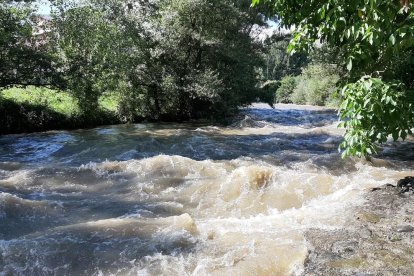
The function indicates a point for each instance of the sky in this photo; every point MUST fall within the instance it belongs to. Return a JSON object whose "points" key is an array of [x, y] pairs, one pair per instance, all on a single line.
{"points": [[43, 7]]}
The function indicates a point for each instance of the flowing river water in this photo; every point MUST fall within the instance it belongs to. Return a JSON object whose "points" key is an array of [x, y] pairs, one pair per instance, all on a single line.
{"points": [[181, 199]]}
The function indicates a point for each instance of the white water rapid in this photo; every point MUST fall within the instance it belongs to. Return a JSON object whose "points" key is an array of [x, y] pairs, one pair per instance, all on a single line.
{"points": [[181, 199]]}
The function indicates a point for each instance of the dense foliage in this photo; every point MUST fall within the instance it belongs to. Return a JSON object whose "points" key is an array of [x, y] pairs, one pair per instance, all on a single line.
{"points": [[285, 90], [372, 109], [165, 60], [277, 61], [300, 78], [86, 41], [375, 39], [24, 57], [316, 85]]}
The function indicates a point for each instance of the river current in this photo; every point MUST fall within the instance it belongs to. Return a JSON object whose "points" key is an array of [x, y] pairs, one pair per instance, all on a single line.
{"points": [[182, 199]]}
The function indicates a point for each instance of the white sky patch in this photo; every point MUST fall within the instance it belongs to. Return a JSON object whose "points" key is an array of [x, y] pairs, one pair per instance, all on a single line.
{"points": [[261, 33], [42, 7]]}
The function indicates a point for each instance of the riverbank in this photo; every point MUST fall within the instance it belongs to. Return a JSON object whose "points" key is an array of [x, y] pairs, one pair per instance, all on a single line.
{"points": [[37, 109], [378, 239], [40, 109]]}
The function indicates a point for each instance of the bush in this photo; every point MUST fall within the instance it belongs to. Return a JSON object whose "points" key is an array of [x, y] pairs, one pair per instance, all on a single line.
{"points": [[285, 90], [267, 90], [299, 93], [316, 85]]}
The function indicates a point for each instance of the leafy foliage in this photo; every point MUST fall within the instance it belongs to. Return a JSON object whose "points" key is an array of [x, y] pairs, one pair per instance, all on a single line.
{"points": [[285, 90], [375, 38], [316, 85], [88, 44], [208, 55], [168, 60], [372, 110], [163, 60], [277, 61], [25, 58]]}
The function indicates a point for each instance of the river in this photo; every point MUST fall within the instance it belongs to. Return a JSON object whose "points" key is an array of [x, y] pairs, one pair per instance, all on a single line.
{"points": [[182, 199]]}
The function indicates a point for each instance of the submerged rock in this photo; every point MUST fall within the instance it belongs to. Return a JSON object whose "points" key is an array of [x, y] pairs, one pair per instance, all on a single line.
{"points": [[378, 240], [248, 122], [345, 247], [405, 229], [406, 184]]}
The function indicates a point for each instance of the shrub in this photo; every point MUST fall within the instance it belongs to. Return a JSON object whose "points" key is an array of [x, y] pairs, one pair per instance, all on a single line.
{"points": [[316, 85], [267, 92], [299, 93], [285, 90]]}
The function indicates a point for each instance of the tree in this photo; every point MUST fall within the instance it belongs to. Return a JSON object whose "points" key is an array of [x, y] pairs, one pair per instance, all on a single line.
{"points": [[25, 57], [88, 42], [167, 60], [316, 85], [278, 63], [209, 54], [285, 90], [375, 39]]}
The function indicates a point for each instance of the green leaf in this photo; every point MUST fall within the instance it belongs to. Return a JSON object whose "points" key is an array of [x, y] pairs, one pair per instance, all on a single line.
{"points": [[255, 2], [349, 65], [395, 136], [392, 39], [348, 33]]}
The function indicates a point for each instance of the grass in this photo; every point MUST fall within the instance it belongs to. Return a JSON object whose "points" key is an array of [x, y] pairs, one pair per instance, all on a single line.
{"points": [[61, 102], [38, 109], [109, 102]]}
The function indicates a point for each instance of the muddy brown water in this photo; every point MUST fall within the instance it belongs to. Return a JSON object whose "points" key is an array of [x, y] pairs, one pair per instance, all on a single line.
{"points": [[181, 199]]}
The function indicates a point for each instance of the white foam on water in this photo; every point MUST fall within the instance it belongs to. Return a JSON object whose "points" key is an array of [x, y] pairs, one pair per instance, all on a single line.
{"points": [[246, 210], [242, 214]]}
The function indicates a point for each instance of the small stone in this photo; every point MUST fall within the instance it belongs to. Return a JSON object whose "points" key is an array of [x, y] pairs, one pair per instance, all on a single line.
{"points": [[210, 235], [394, 238], [365, 233], [369, 217], [383, 187], [406, 184], [405, 229], [345, 247]]}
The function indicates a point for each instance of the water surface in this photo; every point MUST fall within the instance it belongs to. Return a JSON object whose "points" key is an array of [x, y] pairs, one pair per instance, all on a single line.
{"points": [[181, 199]]}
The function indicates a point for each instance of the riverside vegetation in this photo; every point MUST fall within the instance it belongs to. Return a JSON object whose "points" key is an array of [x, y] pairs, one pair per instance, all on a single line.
{"points": [[374, 41], [187, 59], [160, 60], [172, 193]]}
